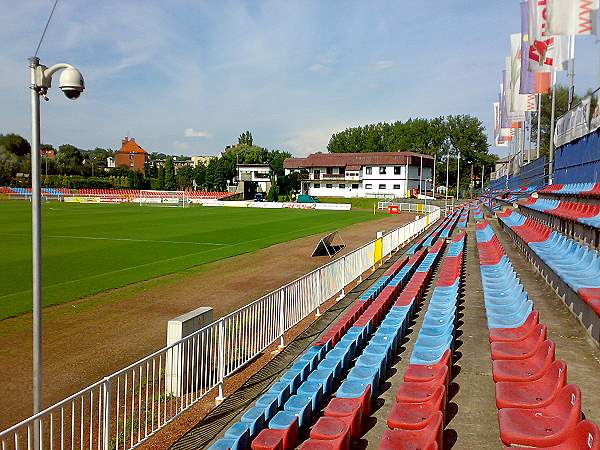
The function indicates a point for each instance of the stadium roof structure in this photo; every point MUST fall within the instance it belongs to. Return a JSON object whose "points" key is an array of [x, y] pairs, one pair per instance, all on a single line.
{"points": [[353, 160]]}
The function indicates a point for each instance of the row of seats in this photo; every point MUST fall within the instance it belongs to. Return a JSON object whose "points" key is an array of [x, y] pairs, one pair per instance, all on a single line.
{"points": [[536, 406], [584, 213], [578, 189], [464, 218], [417, 415], [576, 264], [477, 211], [446, 226], [121, 193], [287, 407]]}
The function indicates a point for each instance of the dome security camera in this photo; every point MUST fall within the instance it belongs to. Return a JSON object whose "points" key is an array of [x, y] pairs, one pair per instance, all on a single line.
{"points": [[71, 83]]}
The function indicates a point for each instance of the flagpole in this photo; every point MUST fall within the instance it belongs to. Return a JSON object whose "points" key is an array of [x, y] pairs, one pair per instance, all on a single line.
{"points": [[458, 176], [447, 174], [529, 137], [551, 145], [571, 73], [539, 126]]}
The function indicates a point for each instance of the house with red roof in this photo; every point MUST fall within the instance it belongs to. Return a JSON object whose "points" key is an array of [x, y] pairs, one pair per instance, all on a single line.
{"points": [[131, 155]]}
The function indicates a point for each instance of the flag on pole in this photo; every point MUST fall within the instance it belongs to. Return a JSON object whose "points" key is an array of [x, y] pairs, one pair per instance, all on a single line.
{"points": [[531, 82], [520, 102], [569, 17], [546, 52], [501, 135]]}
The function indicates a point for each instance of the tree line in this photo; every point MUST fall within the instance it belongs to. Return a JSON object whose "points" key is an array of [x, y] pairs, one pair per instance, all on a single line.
{"points": [[441, 137], [77, 168]]}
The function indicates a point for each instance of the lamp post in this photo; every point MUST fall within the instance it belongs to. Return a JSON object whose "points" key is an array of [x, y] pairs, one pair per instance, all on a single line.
{"points": [[72, 85]]}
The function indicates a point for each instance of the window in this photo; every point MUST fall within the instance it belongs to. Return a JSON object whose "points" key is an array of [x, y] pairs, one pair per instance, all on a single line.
{"points": [[336, 170], [355, 186], [368, 186], [329, 186], [382, 170], [368, 170], [396, 186], [342, 186], [317, 185], [382, 186], [329, 170], [396, 170]]}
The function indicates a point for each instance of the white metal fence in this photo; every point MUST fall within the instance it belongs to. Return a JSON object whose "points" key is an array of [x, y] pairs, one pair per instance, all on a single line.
{"points": [[127, 407]]}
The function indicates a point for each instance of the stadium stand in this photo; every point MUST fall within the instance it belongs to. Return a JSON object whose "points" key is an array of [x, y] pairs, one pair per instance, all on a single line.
{"points": [[128, 194], [350, 360], [572, 267], [417, 416], [536, 406]]}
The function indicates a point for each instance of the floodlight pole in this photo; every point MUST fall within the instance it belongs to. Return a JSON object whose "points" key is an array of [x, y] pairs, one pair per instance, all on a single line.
{"points": [[36, 239]]}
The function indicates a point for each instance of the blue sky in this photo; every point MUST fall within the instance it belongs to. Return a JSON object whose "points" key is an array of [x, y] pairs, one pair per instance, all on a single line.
{"points": [[188, 76]]}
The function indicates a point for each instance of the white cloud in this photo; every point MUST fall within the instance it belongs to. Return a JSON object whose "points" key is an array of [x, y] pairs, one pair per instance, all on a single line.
{"points": [[319, 68], [310, 141], [190, 132], [384, 64]]}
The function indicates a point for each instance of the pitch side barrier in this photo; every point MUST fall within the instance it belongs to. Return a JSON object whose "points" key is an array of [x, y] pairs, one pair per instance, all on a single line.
{"points": [[124, 409]]}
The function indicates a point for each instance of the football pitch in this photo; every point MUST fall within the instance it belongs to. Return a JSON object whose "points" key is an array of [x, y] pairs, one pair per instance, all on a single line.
{"points": [[91, 248]]}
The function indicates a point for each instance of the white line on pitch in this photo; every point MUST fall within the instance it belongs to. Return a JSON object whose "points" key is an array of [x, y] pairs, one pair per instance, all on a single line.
{"points": [[98, 238]]}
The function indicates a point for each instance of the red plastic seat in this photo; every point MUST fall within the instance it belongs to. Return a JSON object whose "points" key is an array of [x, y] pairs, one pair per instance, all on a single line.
{"points": [[532, 394], [268, 439], [426, 438], [331, 428], [527, 369], [319, 444], [348, 409], [409, 392], [421, 372], [414, 416], [522, 349], [542, 427], [585, 436], [515, 334]]}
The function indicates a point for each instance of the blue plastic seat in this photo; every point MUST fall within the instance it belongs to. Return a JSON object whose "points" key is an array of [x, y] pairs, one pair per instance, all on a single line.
{"points": [[301, 406], [325, 377], [282, 389], [312, 390], [370, 375], [255, 418], [239, 433], [270, 404]]}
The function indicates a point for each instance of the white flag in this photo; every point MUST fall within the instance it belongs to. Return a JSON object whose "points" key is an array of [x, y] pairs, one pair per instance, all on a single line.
{"points": [[566, 17], [520, 102], [546, 52]]}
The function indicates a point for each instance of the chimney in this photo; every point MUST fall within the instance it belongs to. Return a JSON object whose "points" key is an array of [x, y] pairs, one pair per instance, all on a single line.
{"points": [[132, 139], [125, 140]]}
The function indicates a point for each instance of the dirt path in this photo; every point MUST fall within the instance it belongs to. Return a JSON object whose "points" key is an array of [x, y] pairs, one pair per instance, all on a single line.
{"points": [[90, 338]]}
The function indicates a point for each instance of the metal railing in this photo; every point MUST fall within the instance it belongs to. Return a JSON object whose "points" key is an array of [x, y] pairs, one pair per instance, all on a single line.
{"points": [[126, 408]]}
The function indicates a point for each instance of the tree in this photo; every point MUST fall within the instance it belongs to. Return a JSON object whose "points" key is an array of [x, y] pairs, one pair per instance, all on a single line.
{"points": [[170, 182], [9, 166], [245, 138], [273, 194], [562, 103], [184, 177], [136, 179], [69, 159], [15, 144], [275, 159], [161, 178], [200, 175], [215, 175]]}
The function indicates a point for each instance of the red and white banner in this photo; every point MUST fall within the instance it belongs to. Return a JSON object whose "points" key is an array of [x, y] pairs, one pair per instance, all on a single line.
{"points": [[546, 52], [567, 17]]}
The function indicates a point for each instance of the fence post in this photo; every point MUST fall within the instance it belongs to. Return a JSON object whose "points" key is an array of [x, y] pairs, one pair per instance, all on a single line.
{"points": [[107, 413], [342, 293], [281, 318], [320, 296], [221, 369]]}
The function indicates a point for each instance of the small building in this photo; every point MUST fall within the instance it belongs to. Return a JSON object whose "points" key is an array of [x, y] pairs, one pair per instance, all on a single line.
{"points": [[502, 168], [201, 160], [260, 173], [110, 162], [131, 155], [381, 174]]}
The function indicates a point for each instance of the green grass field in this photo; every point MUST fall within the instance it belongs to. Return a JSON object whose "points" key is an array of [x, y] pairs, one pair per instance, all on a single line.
{"points": [[91, 248]]}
